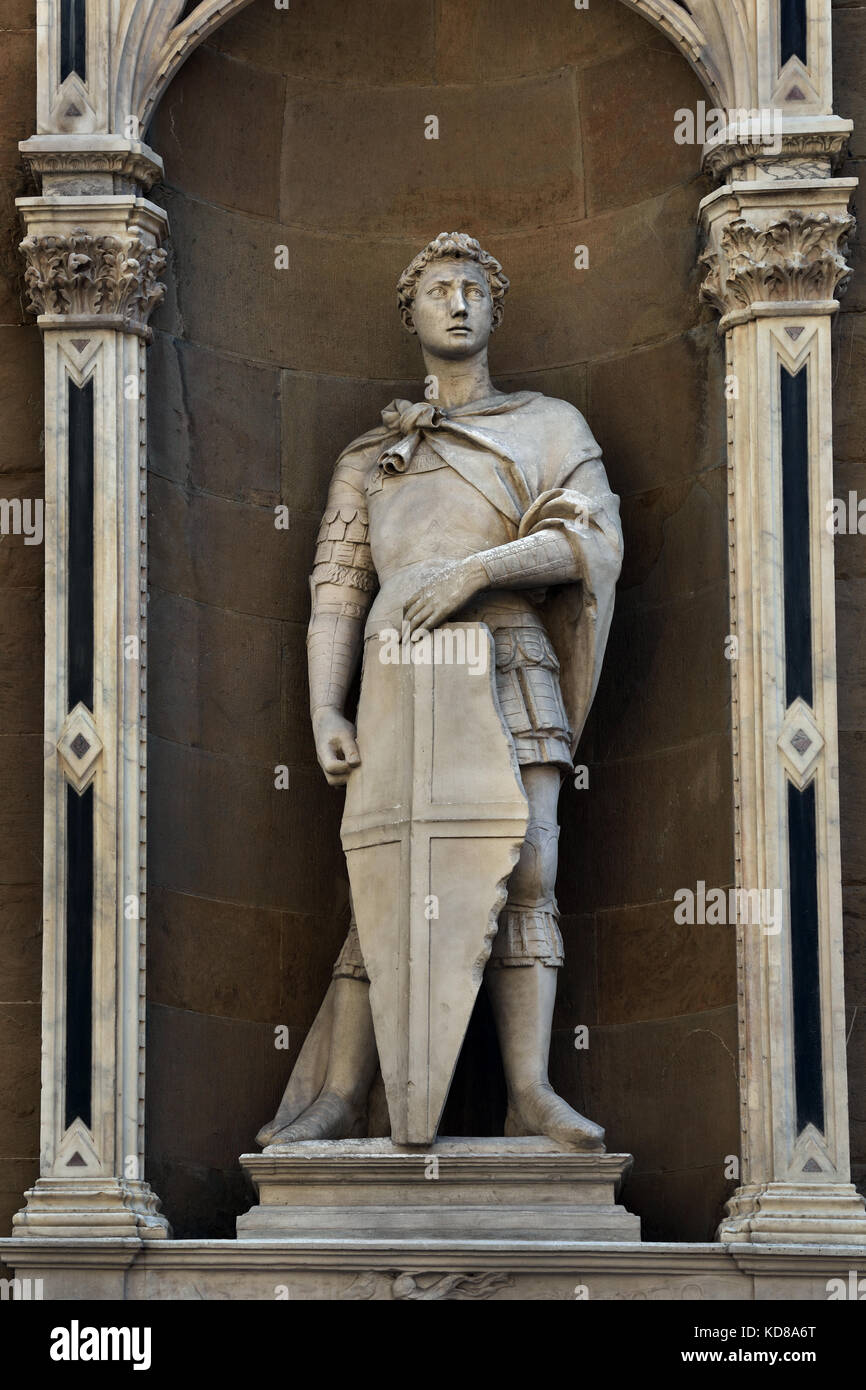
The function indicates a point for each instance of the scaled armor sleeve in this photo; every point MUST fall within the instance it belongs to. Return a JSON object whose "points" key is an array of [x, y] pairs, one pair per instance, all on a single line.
{"points": [[342, 586]]}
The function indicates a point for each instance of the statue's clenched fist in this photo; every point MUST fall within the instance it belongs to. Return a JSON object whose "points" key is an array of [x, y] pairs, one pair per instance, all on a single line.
{"points": [[336, 747]]}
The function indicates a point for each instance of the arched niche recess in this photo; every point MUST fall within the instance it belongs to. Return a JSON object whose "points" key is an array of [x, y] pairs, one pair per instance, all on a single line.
{"points": [[773, 245], [549, 139]]}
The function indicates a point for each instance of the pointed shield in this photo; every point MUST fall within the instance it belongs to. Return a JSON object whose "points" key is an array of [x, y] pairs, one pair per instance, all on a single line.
{"points": [[434, 820]]}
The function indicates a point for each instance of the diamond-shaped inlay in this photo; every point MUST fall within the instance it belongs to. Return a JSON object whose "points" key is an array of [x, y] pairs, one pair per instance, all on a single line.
{"points": [[800, 742], [79, 747]]}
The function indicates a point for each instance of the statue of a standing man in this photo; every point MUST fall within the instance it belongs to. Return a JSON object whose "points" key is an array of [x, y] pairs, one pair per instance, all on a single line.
{"points": [[480, 506]]}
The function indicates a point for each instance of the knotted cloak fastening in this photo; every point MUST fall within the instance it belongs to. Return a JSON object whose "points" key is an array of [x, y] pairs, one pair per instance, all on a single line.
{"points": [[467, 447]]}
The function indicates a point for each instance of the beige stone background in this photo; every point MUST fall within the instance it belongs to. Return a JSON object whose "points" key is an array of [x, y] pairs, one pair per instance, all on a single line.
{"points": [[306, 129]]}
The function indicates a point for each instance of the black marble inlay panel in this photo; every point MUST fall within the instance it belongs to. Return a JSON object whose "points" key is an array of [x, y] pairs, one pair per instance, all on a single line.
{"points": [[79, 953], [803, 868], [80, 545], [73, 38], [793, 21], [795, 521]]}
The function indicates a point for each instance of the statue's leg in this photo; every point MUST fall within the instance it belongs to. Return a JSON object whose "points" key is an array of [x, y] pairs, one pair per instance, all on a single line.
{"points": [[352, 1058], [522, 974]]}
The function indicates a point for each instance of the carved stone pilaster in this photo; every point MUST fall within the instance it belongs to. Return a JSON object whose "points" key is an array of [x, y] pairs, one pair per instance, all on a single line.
{"points": [[776, 264], [93, 260], [89, 275]]}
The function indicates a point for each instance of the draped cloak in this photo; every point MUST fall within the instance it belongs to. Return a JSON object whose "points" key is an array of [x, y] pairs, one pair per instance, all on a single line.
{"points": [[536, 462]]}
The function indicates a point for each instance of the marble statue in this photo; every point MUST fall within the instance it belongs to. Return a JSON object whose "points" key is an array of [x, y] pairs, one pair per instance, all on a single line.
{"points": [[487, 516]]}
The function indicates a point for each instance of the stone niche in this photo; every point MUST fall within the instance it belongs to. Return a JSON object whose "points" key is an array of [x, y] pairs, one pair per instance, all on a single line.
{"points": [[306, 129]]}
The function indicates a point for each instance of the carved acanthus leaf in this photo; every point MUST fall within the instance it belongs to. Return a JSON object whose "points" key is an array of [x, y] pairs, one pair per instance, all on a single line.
{"points": [[794, 259], [85, 275]]}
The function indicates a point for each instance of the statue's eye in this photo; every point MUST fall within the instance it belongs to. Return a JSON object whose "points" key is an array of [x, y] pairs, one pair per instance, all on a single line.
{"points": [[475, 291]]}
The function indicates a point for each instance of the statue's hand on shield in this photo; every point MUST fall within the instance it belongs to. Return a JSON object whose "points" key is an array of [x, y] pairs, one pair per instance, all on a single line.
{"points": [[336, 747]]}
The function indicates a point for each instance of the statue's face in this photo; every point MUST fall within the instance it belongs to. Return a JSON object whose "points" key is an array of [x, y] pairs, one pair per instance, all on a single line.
{"points": [[453, 310]]}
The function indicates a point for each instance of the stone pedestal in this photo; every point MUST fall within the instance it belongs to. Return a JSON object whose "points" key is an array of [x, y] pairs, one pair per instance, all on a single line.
{"points": [[454, 1191]]}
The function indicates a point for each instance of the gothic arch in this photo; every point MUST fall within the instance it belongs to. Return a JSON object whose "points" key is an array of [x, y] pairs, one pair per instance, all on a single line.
{"points": [[155, 40], [715, 37]]}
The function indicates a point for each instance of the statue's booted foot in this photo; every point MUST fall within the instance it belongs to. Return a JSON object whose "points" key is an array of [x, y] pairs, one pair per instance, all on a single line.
{"points": [[539, 1110], [329, 1117]]}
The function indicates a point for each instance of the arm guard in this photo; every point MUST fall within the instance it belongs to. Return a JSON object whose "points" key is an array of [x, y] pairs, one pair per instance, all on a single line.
{"points": [[342, 585], [545, 557]]}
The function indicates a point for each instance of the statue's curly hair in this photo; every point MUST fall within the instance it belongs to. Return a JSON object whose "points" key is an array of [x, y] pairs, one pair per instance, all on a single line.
{"points": [[452, 246]]}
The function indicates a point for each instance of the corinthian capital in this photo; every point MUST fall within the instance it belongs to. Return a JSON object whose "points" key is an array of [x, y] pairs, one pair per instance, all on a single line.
{"points": [[797, 258], [80, 275]]}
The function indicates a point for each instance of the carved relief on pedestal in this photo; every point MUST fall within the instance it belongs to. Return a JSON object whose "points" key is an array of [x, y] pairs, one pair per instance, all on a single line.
{"points": [[83, 275], [797, 258], [426, 1288]]}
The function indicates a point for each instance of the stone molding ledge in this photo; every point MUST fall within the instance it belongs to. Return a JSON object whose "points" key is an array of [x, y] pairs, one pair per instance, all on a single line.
{"points": [[70, 165], [810, 147], [352, 1269]]}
